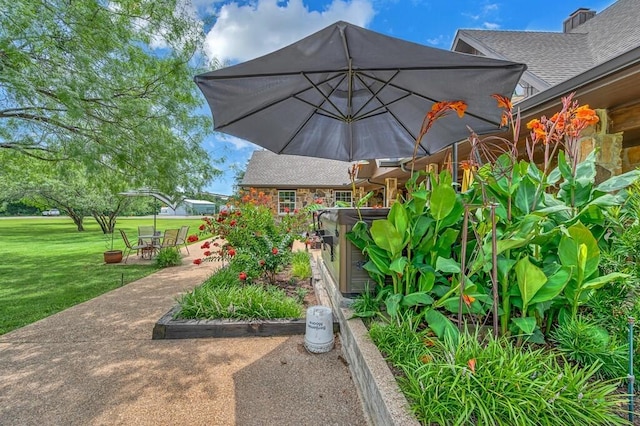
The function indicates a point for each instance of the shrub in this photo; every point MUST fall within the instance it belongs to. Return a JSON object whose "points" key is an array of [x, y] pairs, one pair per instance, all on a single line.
{"points": [[493, 382], [168, 256], [583, 341]]}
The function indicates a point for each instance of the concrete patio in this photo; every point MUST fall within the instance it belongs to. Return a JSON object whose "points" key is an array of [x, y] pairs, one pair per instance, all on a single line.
{"points": [[95, 364]]}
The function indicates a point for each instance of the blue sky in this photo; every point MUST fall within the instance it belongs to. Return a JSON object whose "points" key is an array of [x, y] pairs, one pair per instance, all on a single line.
{"points": [[243, 30]]}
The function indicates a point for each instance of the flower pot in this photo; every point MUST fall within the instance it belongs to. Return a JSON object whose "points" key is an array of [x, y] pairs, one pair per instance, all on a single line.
{"points": [[113, 256]]}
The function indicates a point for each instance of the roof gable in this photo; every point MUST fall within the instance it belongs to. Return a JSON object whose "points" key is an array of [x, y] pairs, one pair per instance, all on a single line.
{"points": [[266, 169], [554, 57]]}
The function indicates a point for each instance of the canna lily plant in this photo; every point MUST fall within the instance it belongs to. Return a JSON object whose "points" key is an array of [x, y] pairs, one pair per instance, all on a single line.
{"points": [[520, 245]]}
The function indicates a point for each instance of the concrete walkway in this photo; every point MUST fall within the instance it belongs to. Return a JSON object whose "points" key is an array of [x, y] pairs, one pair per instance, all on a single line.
{"points": [[95, 364]]}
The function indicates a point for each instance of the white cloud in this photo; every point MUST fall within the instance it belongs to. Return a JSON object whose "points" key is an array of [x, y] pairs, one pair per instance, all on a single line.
{"points": [[438, 41], [244, 32], [490, 25], [490, 8]]}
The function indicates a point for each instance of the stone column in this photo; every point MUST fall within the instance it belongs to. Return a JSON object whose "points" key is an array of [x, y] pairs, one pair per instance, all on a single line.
{"points": [[608, 147]]}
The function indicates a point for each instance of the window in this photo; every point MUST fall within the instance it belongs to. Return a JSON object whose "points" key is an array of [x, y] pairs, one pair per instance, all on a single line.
{"points": [[286, 201], [343, 197]]}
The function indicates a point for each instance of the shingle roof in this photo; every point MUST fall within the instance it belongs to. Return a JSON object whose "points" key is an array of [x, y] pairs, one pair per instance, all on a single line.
{"points": [[613, 31], [555, 56], [266, 169]]}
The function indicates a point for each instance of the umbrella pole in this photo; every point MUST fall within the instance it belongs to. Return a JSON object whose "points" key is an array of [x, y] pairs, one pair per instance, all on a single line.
{"points": [[155, 206], [454, 164]]}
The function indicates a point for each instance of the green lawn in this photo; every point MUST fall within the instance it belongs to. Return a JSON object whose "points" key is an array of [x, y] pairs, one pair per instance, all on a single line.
{"points": [[47, 265]]}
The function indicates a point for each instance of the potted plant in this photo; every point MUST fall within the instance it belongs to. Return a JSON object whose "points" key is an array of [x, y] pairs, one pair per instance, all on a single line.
{"points": [[111, 255]]}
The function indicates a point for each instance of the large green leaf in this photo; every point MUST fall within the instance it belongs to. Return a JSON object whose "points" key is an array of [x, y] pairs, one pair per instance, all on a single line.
{"points": [[419, 201], [582, 192], [443, 199], [398, 265], [586, 169], [417, 299], [380, 258], [553, 287], [619, 182], [420, 229], [455, 215], [359, 235], [446, 240], [374, 272], [569, 250], [527, 324], [399, 219], [598, 282], [392, 304], [440, 324], [426, 281], [447, 265], [525, 196], [504, 267], [530, 279], [565, 168], [386, 236]]}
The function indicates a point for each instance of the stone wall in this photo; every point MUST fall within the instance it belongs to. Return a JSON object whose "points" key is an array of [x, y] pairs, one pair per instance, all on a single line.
{"points": [[608, 145]]}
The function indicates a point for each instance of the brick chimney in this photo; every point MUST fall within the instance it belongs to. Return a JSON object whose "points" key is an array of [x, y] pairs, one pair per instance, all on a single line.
{"points": [[577, 18]]}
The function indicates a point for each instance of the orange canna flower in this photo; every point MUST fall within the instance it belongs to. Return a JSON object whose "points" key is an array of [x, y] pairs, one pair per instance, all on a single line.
{"points": [[559, 121], [504, 120], [503, 101], [537, 129], [587, 115], [459, 107], [426, 359], [472, 365], [468, 300], [533, 124], [429, 342], [467, 165]]}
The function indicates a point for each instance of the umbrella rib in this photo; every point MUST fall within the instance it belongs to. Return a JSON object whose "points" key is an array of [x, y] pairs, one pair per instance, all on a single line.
{"points": [[294, 95], [374, 95], [326, 98], [296, 133], [409, 92], [376, 111]]}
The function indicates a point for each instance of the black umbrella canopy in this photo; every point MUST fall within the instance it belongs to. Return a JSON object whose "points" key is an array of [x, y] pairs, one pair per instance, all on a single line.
{"points": [[348, 93]]}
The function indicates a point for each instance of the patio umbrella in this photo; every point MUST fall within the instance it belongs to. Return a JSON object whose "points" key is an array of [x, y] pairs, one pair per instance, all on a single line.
{"points": [[348, 93], [145, 192]]}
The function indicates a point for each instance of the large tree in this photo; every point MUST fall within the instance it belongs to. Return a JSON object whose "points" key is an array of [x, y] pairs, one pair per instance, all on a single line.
{"points": [[105, 83]]}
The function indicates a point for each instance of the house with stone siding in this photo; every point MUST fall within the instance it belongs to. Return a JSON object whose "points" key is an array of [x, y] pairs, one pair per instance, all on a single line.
{"points": [[293, 182], [594, 55]]}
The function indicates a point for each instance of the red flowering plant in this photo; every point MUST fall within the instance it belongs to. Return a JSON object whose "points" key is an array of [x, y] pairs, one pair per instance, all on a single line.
{"points": [[251, 232]]}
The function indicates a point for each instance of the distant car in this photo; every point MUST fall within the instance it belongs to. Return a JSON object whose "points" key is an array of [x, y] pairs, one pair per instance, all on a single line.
{"points": [[52, 212]]}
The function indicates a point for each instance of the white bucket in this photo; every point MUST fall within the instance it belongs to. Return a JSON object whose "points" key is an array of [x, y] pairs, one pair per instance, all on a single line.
{"points": [[319, 332]]}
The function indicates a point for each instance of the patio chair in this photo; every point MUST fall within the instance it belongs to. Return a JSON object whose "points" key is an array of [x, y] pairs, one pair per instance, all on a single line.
{"points": [[129, 248], [145, 234], [170, 239], [182, 238]]}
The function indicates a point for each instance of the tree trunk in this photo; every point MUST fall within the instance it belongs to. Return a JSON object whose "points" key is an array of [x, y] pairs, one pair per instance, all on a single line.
{"points": [[77, 218], [107, 221]]}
